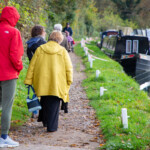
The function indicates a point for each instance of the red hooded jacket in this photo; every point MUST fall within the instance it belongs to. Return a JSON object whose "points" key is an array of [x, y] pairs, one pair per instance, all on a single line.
{"points": [[11, 47]]}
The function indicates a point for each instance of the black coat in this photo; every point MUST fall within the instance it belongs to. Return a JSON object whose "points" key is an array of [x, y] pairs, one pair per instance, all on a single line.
{"points": [[33, 44], [69, 30]]}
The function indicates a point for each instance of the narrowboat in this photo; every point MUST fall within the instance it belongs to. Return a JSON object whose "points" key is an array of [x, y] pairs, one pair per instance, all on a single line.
{"points": [[132, 52], [107, 34]]}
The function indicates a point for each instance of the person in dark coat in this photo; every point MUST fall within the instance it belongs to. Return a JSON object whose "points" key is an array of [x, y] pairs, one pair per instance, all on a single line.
{"points": [[38, 38], [69, 29]]}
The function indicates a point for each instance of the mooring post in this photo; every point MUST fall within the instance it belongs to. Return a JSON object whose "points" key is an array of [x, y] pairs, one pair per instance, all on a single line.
{"points": [[91, 62], [86, 52], [102, 89], [89, 58], [97, 73], [124, 118]]}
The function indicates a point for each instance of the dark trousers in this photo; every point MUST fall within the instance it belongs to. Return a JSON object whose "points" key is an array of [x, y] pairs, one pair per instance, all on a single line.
{"points": [[49, 114]]}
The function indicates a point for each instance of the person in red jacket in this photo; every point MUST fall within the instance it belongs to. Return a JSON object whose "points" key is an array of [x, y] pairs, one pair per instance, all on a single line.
{"points": [[11, 52]]}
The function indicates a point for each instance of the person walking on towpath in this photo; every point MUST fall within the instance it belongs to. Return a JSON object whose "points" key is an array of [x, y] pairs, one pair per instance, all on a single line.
{"points": [[11, 52], [68, 28], [38, 38], [64, 43], [69, 33], [50, 71]]}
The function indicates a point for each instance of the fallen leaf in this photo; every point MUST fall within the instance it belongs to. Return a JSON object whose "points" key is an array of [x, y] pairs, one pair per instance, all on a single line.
{"points": [[93, 140], [123, 141], [85, 143], [73, 145], [101, 145]]}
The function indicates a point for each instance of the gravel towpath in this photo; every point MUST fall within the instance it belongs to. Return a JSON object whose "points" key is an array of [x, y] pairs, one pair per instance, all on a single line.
{"points": [[78, 130]]}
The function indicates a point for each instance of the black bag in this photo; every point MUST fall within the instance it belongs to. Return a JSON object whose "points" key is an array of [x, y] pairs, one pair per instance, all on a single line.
{"points": [[33, 104]]}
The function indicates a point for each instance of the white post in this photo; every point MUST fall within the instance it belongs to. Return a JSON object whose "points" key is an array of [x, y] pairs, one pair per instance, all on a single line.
{"points": [[97, 73], [124, 118], [91, 62], [86, 52], [84, 49], [102, 89], [82, 44], [89, 58]]}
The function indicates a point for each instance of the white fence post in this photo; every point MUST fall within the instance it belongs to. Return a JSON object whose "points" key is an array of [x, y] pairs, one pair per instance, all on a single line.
{"points": [[124, 118], [102, 89], [97, 73], [91, 62]]}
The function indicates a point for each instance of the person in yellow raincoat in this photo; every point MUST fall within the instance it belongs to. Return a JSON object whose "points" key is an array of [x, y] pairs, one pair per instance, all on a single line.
{"points": [[51, 74]]}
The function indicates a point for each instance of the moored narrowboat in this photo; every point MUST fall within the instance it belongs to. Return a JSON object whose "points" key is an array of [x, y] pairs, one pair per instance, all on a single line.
{"points": [[132, 52]]}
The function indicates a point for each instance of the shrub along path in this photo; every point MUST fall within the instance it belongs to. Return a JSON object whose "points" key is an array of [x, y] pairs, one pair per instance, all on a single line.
{"points": [[78, 130]]}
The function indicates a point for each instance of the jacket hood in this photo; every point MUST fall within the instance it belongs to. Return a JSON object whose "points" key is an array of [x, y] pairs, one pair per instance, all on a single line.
{"points": [[11, 15], [33, 40], [51, 47]]}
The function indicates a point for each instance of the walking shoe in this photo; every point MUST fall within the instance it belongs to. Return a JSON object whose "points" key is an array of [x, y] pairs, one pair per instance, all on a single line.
{"points": [[2, 143], [8, 142]]}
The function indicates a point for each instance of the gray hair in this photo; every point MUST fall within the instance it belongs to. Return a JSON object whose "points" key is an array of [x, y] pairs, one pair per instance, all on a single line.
{"points": [[58, 27]]}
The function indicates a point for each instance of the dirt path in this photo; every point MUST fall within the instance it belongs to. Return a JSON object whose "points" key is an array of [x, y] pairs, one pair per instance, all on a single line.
{"points": [[78, 130]]}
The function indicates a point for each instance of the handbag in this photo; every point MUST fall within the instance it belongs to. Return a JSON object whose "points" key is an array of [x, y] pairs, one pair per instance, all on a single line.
{"points": [[73, 42], [33, 104]]}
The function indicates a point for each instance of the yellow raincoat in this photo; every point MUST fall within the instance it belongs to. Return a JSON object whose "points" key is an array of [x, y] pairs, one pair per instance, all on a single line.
{"points": [[50, 71]]}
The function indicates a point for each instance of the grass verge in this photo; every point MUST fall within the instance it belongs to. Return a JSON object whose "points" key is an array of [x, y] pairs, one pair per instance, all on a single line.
{"points": [[122, 92]]}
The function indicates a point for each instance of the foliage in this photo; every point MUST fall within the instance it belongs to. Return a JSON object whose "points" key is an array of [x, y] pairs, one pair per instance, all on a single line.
{"points": [[31, 13], [109, 20], [141, 15], [86, 20], [82, 15], [87, 17], [126, 7], [134, 11], [122, 92]]}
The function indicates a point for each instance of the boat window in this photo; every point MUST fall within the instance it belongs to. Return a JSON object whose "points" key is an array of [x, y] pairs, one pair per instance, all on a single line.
{"points": [[135, 46], [128, 46]]}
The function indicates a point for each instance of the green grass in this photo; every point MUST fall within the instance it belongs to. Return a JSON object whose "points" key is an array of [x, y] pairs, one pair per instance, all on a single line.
{"points": [[122, 92], [20, 112]]}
